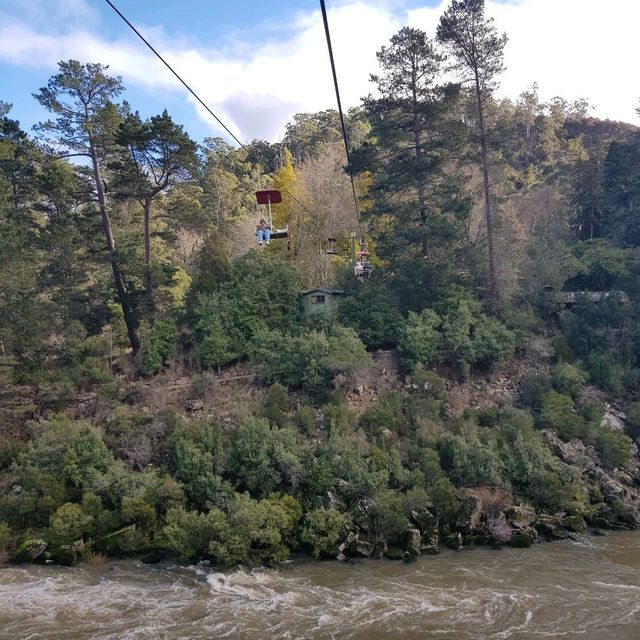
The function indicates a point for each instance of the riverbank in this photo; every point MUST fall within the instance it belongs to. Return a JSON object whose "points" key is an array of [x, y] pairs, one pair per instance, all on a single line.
{"points": [[402, 476], [585, 589]]}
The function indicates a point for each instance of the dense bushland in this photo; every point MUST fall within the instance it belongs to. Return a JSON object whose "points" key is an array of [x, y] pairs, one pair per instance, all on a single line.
{"points": [[507, 240]]}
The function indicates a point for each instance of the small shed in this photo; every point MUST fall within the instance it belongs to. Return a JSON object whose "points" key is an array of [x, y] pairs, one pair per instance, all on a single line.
{"points": [[321, 301]]}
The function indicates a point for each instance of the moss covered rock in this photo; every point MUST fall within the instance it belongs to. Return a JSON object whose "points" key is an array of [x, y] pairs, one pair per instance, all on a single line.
{"points": [[31, 550]]}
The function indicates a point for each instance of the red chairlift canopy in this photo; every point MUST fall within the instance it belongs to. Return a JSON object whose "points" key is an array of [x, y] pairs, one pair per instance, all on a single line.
{"points": [[268, 197]]}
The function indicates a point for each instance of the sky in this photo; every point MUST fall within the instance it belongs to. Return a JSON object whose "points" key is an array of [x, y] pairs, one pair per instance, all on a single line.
{"points": [[258, 62]]}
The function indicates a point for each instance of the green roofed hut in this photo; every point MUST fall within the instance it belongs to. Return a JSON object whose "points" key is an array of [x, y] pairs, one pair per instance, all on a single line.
{"points": [[321, 302]]}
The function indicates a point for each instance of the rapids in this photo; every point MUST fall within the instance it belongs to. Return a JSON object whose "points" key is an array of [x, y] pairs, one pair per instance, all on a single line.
{"points": [[587, 589]]}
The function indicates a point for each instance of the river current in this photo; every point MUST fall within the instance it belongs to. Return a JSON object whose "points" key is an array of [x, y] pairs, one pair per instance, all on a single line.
{"points": [[587, 589]]}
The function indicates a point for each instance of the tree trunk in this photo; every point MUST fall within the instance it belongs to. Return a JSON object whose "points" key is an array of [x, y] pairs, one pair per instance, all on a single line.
{"points": [[487, 194], [422, 204], [121, 290], [147, 249]]}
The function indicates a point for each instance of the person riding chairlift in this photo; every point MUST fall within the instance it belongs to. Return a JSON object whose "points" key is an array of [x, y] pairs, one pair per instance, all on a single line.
{"points": [[362, 268], [263, 231]]}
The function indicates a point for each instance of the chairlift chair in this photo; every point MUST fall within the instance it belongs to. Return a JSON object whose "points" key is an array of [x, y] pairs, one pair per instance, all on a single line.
{"points": [[269, 197]]}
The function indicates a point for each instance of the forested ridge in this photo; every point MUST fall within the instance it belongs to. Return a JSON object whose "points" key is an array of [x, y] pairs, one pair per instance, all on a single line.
{"points": [[163, 394]]}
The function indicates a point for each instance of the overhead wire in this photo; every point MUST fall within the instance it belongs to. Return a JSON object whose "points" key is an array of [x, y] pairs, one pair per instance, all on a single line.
{"points": [[344, 129], [197, 97]]}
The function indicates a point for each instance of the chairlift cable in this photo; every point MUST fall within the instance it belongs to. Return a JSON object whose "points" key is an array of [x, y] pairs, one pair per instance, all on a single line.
{"points": [[344, 130], [197, 97]]}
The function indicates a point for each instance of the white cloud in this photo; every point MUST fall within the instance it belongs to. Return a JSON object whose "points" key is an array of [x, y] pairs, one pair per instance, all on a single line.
{"points": [[48, 14], [573, 48]]}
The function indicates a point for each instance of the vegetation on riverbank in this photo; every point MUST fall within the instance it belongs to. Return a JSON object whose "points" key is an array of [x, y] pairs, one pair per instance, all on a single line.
{"points": [[145, 265]]}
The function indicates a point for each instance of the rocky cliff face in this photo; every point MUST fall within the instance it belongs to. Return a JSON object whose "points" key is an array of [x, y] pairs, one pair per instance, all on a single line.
{"points": [[488, 516]]}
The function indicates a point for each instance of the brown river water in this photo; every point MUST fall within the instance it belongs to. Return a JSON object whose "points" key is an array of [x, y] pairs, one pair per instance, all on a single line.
{"points": [[587, 589]]}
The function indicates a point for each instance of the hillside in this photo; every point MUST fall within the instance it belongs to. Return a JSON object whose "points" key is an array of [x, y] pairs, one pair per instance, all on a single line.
{"points": [[169, 390]]}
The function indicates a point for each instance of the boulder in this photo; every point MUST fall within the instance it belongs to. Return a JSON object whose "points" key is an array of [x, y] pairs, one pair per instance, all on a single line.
{"points": [[424, 520], [575, 523], [427, 524], [551, 526], [524, 537], [626, 514], [477, 540], [498, 527], [348, 542], [86, 407], [454, 541], [521, 516], [520, 539], [602, 516], [613, 419], [361, 548], [194, 405], [31, 550], [574, 452], [431, 546], [413, 544], [469, 514], [394, 553], [336, 502]]}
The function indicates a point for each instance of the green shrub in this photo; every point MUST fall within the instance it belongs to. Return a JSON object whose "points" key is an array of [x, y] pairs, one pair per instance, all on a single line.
{"points": [[419, 339], [523, 323], [158, 343], [469, 462], [473, 338], [444, 498], [197, 456], [632, 422], [428, 461], [309, 361], [456, 330], [414, 499], [373, 313], [487, 416], [568, 380], [429, 383], [256, 533], [386, 521], [513, 421], [276, 405], [213, 343], [534, 470], [136, 510], [562, 350], [534, 389], [492, 342], [558, 412], [604, 373], [262, 459], [322, 531], [6, 537], [614, 448], [189, 533], [305, 419], [10, 449], [259, 293], [337, 419], [68, 524]]}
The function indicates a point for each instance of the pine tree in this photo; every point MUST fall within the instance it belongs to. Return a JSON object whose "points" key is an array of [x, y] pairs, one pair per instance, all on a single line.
{"points": [[81, 96], [477, 50], [159, 156]]}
